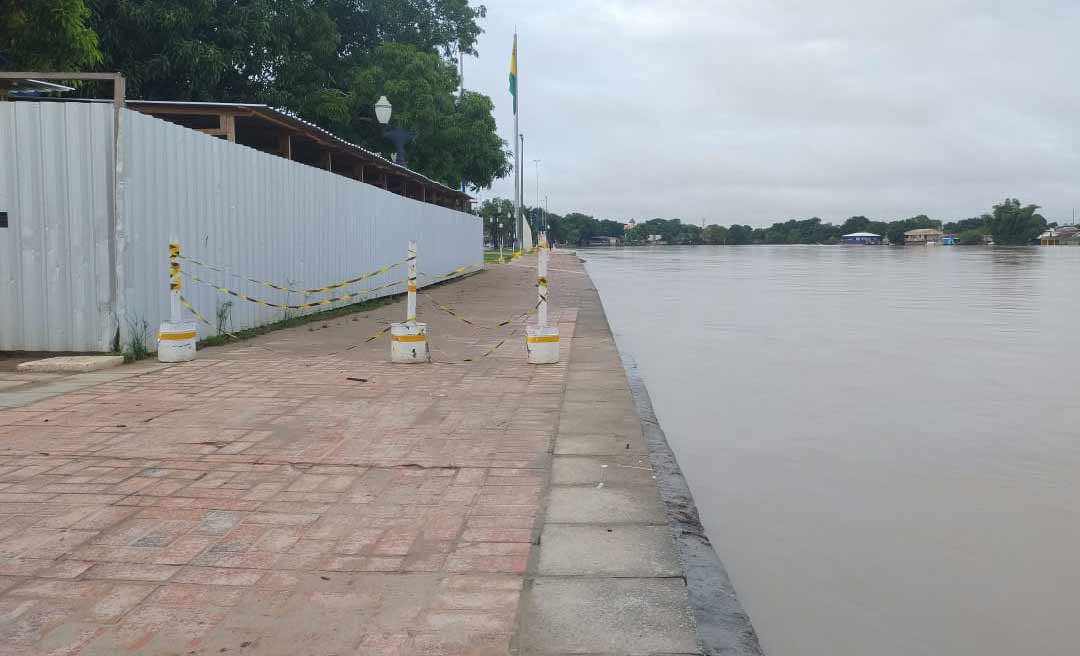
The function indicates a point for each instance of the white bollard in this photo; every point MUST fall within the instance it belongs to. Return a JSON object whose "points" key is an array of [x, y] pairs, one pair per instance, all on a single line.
{"points": [[408, 340], [176, 337], [541, 340]]}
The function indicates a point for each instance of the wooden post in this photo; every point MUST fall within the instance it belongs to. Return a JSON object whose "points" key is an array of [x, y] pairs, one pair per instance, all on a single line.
{"points": [[285, 145], [119, 91], [358, 172], [230, 127], [385, 184], [326, 160]]}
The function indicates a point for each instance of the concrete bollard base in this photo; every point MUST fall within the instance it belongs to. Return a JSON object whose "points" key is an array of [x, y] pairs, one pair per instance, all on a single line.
{"points": [[408, 342], [542, 343], [176, 341]]}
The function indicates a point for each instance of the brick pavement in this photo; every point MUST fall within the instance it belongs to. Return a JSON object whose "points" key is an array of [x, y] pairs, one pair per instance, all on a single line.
{"points": [[257, 501]]}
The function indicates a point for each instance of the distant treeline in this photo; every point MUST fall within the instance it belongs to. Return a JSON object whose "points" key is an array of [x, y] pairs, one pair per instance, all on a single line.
{"points": [[1009, 223], [573, 228]]}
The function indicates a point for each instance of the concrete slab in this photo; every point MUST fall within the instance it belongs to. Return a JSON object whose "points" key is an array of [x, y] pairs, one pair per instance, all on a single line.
{"points": [[607, 505], [626, 616], [598, 445], [18, 399], [638, 551], [580, 470], [72, 364]]}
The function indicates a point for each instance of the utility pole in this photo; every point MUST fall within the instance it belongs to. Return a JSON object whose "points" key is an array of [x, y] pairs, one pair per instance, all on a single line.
{"points": [[537, 163]]}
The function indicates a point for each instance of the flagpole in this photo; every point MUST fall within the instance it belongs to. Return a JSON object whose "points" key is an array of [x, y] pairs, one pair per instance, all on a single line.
{"points": [[517, 155], [517, 182]]}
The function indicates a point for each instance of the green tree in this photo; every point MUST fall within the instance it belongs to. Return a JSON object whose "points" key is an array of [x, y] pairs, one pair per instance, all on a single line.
{"points": [[637, 235], [457, 137], [972, 237], [47, 35], [328, 61], [715, 234], [740, 234], [1015, 225]]}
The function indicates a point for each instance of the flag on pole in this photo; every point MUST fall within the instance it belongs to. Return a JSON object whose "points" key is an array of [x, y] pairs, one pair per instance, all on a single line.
{"points": [[513, 73]]}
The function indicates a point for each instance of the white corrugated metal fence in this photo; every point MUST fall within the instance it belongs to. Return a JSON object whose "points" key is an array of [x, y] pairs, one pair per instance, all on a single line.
{"points": [[258, 215]]}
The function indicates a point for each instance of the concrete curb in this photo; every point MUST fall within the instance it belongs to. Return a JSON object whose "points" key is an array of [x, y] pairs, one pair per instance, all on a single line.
{"points": [[723, 626]]}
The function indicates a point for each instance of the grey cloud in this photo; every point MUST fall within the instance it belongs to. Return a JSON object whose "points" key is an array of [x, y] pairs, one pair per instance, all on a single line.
{"points": [[759, 110]]}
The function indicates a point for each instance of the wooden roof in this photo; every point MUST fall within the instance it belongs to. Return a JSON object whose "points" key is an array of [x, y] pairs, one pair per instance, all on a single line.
{"points": [[275, 131]]}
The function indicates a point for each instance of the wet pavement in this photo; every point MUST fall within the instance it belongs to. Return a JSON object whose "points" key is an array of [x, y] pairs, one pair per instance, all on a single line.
{"points": [[298, 494]]}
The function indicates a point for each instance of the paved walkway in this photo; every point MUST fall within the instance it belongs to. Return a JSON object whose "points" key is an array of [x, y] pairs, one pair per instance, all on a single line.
{"points": [[297, 494]]}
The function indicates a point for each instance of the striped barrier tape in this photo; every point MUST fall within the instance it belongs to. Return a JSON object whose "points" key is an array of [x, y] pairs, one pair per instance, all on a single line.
{"points": [[459, 270], [377, 335], [284, 306], [505, 322], [282, 288], [198, 315]]}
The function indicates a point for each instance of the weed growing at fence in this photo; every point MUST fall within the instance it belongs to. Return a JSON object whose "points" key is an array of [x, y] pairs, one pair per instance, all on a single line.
{"points": [[139, 331], [224, 316]]}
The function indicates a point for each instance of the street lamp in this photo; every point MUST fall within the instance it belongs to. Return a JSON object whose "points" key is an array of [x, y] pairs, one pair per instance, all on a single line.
{"points": [[398, 136]]}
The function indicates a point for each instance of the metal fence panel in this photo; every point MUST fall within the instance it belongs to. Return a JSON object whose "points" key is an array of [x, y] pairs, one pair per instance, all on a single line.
{"points": [[56, 171], [263, 217], [67, 282]]}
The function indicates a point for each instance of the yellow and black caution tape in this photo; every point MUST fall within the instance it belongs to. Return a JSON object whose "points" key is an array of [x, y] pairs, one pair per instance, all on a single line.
{"points": [[284, 306], [448, 274], [198, 315], [283, 288], [506, 322], [377, 335], [191, 308]]}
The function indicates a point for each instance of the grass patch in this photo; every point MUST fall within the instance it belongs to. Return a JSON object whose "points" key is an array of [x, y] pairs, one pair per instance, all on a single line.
{"points": [[492, 257], [137, 349]]}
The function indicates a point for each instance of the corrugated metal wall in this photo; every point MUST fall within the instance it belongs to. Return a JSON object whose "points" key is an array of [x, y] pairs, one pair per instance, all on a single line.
{"points": [[56, 168], [256, 214], [266, 218]]}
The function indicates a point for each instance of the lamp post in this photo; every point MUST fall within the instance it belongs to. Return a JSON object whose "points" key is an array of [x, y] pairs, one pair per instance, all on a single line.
{"points": [[400, 137]]}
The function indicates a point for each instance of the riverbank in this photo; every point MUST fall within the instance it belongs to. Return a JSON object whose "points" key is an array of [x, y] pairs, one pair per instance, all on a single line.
{"points": [[296, 493]]}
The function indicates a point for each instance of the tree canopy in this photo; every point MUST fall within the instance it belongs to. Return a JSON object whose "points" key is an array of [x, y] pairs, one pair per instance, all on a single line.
{"points": [[326, 60], [47, 35], [1013, 224], [1009, 224]]}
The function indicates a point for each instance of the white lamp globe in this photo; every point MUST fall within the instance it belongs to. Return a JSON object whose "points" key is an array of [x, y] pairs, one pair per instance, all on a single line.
{"points": [[383, 108]]}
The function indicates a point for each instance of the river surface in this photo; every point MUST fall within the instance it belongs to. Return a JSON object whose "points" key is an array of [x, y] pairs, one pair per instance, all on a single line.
{"points": [[883, 443]]}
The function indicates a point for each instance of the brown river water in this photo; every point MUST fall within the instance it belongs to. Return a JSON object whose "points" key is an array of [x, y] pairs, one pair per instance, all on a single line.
{"points": [[883, 443]]}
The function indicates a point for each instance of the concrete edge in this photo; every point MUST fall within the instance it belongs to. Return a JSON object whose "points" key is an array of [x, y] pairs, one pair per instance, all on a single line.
{"points": [[71, 364], [723, 626]]}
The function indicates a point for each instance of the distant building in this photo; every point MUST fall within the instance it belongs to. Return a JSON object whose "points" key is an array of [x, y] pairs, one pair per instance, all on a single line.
{"points": [[627, 227], [923, 236], [1060, 236], [950, 240], [867, 238], [602, 240]]}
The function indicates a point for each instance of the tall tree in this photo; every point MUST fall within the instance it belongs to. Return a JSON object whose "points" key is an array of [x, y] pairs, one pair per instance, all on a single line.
{"points": [[46, 35], [328, 61], [1014, 225]]}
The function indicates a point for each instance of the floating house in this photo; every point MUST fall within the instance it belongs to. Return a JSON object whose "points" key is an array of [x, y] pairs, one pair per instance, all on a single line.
{"points": [[867, 238], [950, 240], [923, 236]]}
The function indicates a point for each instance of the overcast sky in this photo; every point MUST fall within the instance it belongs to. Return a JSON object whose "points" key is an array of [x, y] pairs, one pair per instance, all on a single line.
{"points": [[754, 111]]}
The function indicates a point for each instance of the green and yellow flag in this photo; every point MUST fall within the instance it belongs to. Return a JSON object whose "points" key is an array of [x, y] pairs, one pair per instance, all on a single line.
{"points": [[513, 73]]}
